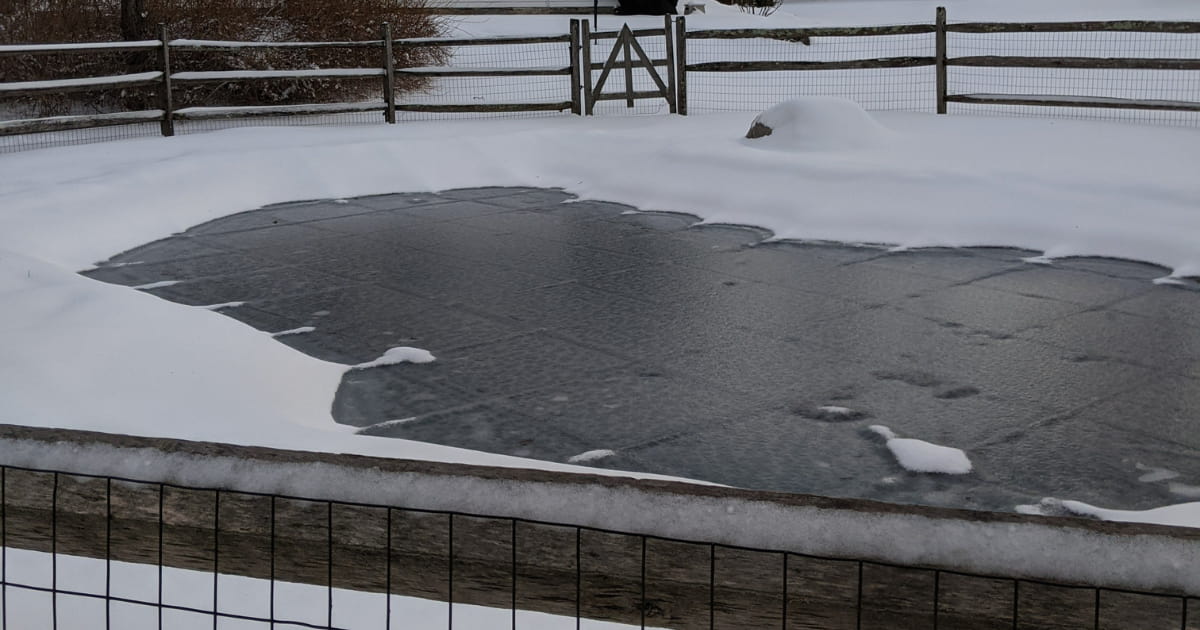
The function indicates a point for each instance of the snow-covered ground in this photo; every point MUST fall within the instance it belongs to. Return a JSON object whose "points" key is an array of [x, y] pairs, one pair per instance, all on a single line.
{"points": [[84, 354]]}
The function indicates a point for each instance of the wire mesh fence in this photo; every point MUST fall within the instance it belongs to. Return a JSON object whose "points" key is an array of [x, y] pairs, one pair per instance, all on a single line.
{"points": [[88, 551], [1132, 84], [546, 89], [894, 88]]}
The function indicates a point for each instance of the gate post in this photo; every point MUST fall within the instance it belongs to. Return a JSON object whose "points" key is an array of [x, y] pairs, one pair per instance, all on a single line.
{"points": [[576, 102], [672, 95], [389, 76], [940, 61], [588, 97], [626, 35], [167, 126], [681, 63]]}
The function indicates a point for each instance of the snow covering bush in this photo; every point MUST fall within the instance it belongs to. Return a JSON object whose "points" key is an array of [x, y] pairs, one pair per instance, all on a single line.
{"points": [[817, 123]]}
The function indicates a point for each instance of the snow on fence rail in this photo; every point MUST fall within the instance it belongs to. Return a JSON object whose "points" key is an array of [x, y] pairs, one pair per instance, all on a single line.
{"points": [[1148, 69], [646, 553]]}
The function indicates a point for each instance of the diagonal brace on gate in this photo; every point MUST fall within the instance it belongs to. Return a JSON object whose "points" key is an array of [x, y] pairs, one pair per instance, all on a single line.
{"points": [[627, 45]]}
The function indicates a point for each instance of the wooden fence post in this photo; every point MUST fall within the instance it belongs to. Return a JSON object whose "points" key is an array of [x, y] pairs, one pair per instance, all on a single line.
{"points": [[626, 35], [940, 67], [589, 98], [681, 64], [576, 102], [672, 95], [389, 76], [168, 116]]}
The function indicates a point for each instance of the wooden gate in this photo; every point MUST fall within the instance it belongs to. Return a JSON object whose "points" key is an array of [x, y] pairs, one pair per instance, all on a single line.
{"points": [[627, 56]]}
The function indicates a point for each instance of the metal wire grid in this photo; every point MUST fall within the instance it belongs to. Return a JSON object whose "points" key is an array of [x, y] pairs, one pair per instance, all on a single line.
{"points": [[655, 47], [496, 90], [26, 142], [909, 89], [1167, 85], [649, 559]]}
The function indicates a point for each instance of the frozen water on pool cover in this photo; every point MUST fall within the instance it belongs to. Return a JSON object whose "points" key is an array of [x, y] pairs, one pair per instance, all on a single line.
{"points": [[563, 327]]}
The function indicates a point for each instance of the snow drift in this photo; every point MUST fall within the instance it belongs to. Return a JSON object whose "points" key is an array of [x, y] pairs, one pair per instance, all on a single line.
{"points": [[816, 123]]}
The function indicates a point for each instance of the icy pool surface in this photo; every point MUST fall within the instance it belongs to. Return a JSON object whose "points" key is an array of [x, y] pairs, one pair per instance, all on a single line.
{"points": [[640, 341]]}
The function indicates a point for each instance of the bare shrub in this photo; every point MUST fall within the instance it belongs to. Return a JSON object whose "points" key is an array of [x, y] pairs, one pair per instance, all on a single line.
{"points": [[52, 21], [757, 7]]}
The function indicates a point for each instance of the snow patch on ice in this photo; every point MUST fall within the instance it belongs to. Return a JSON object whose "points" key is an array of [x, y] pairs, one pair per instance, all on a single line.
{"points": [[294, 331], [1039, 260], [1169, 280], [590, 456], [1179, 515], [819, 123], [400, 354], [924, 457], [834, 410], [1154, 475], [385, 425], [217, 307], [1184, 490], [157, 285]]}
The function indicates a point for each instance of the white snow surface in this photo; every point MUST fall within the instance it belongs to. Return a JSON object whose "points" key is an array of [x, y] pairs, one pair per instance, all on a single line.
{"points": [[819, 123], [924, 457], [398, 355]]}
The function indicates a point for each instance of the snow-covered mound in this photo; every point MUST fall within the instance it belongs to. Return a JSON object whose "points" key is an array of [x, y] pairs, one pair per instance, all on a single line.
{"points": [[924, 457], [817, 123]]}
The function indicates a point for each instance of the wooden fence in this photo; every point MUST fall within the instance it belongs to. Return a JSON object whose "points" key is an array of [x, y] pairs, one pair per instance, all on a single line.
{"points": [[164, 79], [579, 93], [941, 58], [579, 546]]}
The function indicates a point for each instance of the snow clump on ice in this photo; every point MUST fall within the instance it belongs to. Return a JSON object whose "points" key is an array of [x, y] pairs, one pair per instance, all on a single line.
{"points": [[401, 354], [590, 456], [924, 457], [816, 123]]}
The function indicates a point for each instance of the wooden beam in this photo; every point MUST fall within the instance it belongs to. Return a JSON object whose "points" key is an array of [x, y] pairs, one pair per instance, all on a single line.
{"points": [[67, 123], [799, 34], [1122, 63], [779, 66], [90, 84], [485, 108], [1073, 101], [1074, 27], [482, 41], [485, 72]]}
